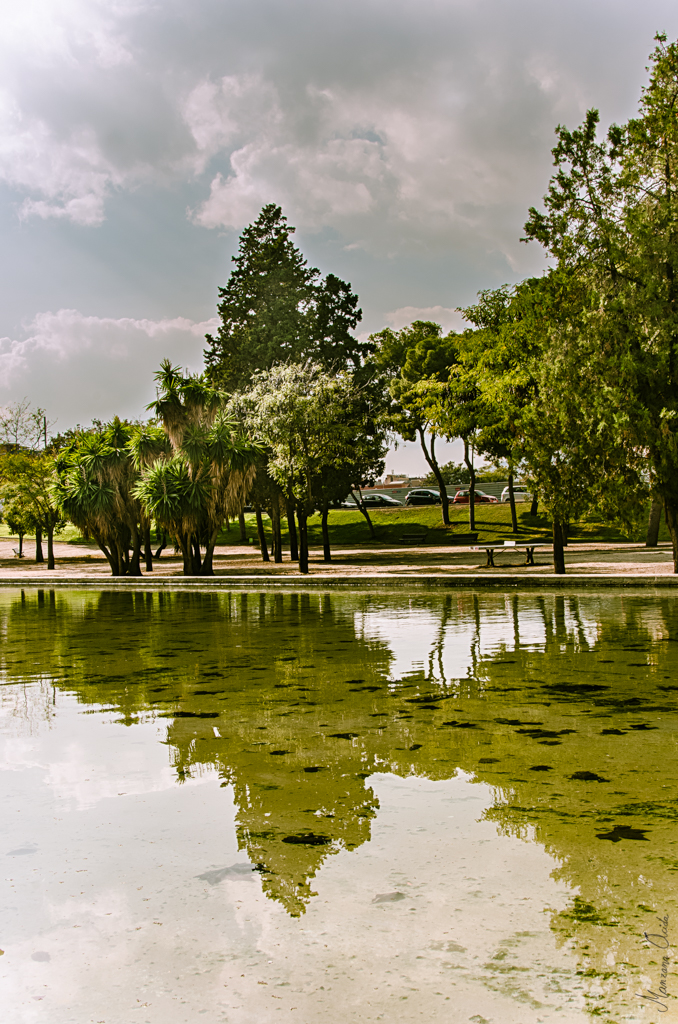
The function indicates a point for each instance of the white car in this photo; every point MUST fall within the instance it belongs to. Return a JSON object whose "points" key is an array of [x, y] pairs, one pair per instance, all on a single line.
{"points": [[520, 493]]}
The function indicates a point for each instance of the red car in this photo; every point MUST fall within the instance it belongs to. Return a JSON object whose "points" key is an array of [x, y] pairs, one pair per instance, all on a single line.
{"points": [[463, 498]]}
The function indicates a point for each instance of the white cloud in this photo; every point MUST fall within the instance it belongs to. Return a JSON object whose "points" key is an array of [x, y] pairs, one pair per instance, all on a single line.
{"points": [[79, 367]]}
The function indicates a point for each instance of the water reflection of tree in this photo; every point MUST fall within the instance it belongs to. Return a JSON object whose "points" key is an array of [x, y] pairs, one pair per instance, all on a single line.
{"points": [[157, 654]]}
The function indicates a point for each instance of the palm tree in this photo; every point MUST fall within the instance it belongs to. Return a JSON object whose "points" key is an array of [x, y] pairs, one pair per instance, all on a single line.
{"points": [[96, 476], [196, 469]]}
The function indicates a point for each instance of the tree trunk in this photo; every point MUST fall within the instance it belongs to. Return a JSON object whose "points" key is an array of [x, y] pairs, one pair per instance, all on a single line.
{"points": [[671, 513], [435, 468], [163, 544], [186, 547], [39, 557], [471, 487], [134, 568], [327, 554], [534, 507], [303, 540], [243, 527], [148, 554], [558, 548], [512, 500], [262, 536], [21, 545], [207, 567], [361, 506], [292, 530], [654, 522], [196, 559], [275, 530], [50, 547], [116, 549]]}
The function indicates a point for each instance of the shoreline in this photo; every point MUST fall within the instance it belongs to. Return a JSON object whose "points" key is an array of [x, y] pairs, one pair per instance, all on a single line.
{"points": [[393, 581]]}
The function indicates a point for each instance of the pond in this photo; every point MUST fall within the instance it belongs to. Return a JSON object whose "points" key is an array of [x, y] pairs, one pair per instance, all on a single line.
{"points": [[338, 807]]}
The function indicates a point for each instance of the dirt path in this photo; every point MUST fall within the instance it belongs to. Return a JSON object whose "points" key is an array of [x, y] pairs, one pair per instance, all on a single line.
{"points": [[377, 562]]}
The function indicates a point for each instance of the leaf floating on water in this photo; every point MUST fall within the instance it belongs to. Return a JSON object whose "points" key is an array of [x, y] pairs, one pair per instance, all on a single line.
{"points": [[541, 768], [575, 688], [461, 725], [620, 832], [315, 768], [612, 732], [278, 753], [343, 735], [543, 734], [389, 897], [587, 777], [515, 721], [308, 839], [192, 714], [416, 746], [488, 760], [644, 727]]}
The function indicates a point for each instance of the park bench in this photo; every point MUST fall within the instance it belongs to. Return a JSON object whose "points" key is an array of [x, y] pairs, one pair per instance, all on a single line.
{"points": [[414, 536], [17, 553], [511, 545]]}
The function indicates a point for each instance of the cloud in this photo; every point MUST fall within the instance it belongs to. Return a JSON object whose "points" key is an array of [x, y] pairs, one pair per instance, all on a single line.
{"points": [[79, 366], [404, 140], [400, 125]]}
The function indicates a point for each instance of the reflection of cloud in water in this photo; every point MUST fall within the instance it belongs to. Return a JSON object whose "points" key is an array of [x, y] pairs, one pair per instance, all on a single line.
{"points": [[454, 634]]}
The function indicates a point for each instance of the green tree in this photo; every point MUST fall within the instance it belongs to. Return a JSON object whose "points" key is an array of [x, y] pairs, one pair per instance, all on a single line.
{"points": [[276, 308], [501, 356], [611, 220], [94, 489], [319, 435], [196, 468], [17, 515], [405, 358], [28, 479]]}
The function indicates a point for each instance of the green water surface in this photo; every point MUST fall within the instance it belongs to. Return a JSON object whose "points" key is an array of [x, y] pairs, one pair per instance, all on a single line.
{"points": [[338, 807]]}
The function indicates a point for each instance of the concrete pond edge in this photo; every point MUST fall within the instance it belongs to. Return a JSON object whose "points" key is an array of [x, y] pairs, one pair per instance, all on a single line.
{"points": [[395, 582]]}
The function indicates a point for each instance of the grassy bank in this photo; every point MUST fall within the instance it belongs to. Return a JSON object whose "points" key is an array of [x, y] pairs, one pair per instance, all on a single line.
{"points": [[348, 528], [493, 523]]}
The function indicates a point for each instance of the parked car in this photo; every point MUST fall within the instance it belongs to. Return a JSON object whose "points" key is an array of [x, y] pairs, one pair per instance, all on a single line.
{"points": [[463, 498], [423, 496], [381, 501], [520, 493]]}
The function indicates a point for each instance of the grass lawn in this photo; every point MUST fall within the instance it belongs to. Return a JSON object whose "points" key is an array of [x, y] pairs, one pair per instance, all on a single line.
{"points": [[348, 528], [493, 523]]}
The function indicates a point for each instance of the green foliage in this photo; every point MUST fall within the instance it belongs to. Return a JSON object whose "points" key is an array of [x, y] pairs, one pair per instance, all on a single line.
{"points": [[96, 476], [196, 468], [276, 308], [27, 480], [318, 432], [611, 222], [408, 360]]}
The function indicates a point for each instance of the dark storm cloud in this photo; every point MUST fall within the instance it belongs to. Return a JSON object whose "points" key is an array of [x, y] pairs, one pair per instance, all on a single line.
{"points": [[405, 140]]}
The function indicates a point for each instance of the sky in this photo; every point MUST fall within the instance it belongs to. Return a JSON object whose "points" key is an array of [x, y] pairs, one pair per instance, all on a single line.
{"points": [[404, 139]]}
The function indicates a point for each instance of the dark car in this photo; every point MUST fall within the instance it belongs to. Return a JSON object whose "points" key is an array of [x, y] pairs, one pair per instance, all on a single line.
{"points": [[463, 498], [423, 496], [374, 501], [381, 501]]}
